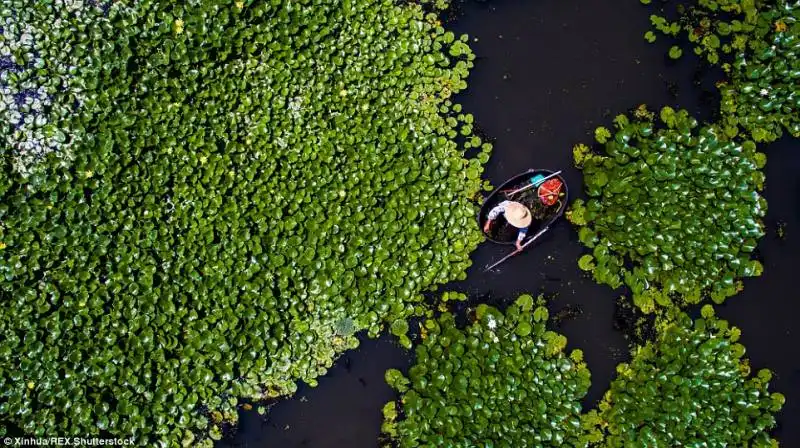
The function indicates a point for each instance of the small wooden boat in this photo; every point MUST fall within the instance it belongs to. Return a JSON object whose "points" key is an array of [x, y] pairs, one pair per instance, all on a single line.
{"points": [[546, 199]]}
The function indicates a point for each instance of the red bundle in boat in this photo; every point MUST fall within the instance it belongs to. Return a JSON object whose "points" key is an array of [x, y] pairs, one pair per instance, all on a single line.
{"points": [[549, 191]]}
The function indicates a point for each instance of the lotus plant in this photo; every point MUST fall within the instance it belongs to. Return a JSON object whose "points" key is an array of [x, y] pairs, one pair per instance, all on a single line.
{"points": [[689, 387], [250, 185], [502, 381], [673, 212], [757, 43]]}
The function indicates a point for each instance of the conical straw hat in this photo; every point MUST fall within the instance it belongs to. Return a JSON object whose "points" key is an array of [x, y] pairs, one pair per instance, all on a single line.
{"points": [[518, 215]]}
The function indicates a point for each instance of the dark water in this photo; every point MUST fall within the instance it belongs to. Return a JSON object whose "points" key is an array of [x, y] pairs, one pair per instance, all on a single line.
{"points": [[547, 73]]}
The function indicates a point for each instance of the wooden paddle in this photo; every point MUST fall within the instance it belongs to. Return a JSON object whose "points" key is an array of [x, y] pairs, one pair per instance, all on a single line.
{"points": [[502, 260]]}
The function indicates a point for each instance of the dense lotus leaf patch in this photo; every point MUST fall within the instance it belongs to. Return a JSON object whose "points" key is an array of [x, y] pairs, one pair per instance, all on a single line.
{"points": [[41, 73], [690, 387], [757, 43], [256, 182], [503, 381], [673, 213]]}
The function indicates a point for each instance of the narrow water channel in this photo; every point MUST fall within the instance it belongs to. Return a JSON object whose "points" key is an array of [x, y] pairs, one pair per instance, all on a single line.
{"points": [[548, 72]]}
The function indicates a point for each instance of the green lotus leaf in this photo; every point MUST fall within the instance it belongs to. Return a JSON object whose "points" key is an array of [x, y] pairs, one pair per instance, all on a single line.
{"points": [[540, 314]]}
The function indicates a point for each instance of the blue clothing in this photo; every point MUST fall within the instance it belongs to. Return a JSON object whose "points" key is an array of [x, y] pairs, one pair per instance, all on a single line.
{"points": [[501, 208]]}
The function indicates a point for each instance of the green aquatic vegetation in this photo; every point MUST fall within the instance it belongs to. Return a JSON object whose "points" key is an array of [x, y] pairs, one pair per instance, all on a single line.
{"points": [[504, 380], [673, 213], [758, 45], [586, 263], [689, 387], [666, 27], [256, 182], [400, 328], [453, 296], [716, 28], [602, 134], [579, 153], [41, 79], [762, 96]]}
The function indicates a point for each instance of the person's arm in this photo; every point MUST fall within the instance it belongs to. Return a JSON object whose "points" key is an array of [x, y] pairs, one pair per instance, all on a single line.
{"points": [[523, 232], [493, 214]]}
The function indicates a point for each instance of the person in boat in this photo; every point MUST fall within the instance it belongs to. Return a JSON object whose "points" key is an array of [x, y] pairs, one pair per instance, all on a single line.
{"points": [[516, 214]]}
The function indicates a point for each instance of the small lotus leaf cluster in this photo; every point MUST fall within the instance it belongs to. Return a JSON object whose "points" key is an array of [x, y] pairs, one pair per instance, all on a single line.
{"points": [[673, 213], [256, 182], [503, 380], [758, 45], [690, 387], [763, 94], [710, 36]]}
